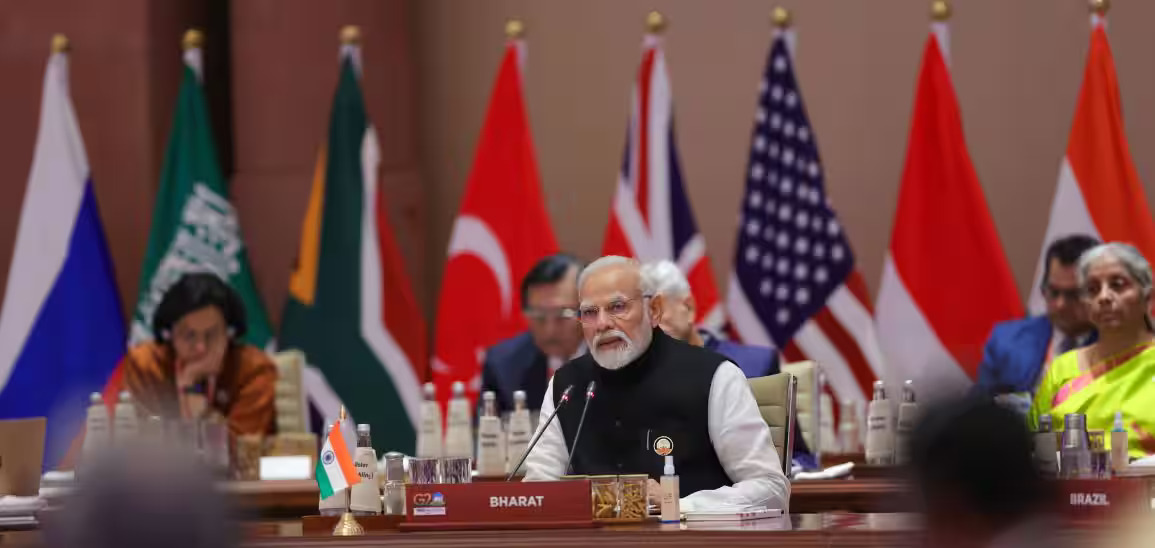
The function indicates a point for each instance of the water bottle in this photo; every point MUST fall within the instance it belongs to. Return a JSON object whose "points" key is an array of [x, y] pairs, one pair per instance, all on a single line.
{"points": [[520, 431], [1046, 452], [430, 440], [459, 434], [879, 428], [1075, 455], [365, 495]]}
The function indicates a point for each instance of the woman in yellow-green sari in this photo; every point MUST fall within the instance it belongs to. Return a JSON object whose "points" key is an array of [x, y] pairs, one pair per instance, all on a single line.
{"points": [[1117, 372]]}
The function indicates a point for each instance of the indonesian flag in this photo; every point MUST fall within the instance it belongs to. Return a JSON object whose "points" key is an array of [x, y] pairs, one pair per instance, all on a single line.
{"points": [[335, 470], [945, 282], [650, 217], [501, 231], [1099, 192]]}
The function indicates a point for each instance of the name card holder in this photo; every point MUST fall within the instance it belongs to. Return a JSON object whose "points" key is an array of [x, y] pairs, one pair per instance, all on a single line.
{"points": [[1098, 500], [499, 505]]}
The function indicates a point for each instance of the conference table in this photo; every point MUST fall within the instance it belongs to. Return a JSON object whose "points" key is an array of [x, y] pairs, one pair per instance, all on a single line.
{"points": [[874, 511], [293, 498]]}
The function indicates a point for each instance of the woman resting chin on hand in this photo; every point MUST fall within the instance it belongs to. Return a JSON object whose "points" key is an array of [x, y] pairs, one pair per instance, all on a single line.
{"points": [[197, 366]]}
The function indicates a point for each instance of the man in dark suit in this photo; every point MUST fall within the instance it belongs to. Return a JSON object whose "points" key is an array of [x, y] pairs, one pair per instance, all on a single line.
{"points": [[1018, 352], [527, 361], [678, 311]]}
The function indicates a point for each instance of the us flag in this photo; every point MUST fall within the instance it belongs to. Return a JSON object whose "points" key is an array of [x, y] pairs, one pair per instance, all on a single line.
{"points": [[650, 218], [794, 284]]}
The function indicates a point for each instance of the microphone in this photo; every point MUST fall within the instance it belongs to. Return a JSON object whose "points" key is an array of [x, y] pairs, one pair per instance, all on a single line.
{"points": [[577, 434], [532, 443]]}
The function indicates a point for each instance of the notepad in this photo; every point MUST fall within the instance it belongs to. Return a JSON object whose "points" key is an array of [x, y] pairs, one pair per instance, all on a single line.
{"points": [[747, 513]]}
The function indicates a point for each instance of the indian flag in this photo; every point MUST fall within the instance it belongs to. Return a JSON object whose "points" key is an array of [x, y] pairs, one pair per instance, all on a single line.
{"points": [[1099, 191], [335, 469]]}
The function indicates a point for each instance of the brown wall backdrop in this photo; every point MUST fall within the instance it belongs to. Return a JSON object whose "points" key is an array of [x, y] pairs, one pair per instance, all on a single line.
{"points": [[1016, 65], [429, 65], [270, 72]]}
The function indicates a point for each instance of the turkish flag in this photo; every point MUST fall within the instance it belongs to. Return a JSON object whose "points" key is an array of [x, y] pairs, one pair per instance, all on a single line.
{"points": [[501, 230]]}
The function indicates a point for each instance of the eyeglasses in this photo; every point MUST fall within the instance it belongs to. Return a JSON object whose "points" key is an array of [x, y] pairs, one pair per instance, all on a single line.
{"points": [[542, 315], [1052, 292], [616, 308], [209, 337]]}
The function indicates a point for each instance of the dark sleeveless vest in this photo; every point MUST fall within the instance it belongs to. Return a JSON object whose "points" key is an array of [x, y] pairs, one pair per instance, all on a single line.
{"points": [[658, 402]]}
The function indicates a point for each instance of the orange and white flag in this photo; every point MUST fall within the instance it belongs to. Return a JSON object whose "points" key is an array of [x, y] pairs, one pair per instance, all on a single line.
{"points": [[1099, 191]]}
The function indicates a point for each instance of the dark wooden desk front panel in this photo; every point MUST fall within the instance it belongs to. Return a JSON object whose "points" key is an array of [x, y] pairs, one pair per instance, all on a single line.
{"points": [[293, 499]]}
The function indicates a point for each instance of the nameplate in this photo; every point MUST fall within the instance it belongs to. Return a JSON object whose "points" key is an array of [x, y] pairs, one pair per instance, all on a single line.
{"points": [[292, 467], [1102, 499], [499, 505]]}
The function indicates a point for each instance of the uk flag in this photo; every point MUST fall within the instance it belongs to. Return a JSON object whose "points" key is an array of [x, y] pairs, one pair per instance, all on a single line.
{"points": [[650, 218]]}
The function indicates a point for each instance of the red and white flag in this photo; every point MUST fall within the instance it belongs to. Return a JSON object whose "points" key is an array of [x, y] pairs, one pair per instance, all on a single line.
{"points": [[1099, 192], [650, 217], [795, 284], [946, 281], [501, 231]]}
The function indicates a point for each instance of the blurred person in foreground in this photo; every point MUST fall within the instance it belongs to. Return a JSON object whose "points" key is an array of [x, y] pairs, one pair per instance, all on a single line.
{"points": [[527, 361], [197, 366], [677, 320], [971, 463], [144, 495], [655, 396], [1019, 352], [1115, 373]]}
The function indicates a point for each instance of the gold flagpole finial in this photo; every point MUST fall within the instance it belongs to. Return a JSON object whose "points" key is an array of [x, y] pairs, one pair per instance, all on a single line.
{"points": [[341, 415], [781, 17], [350, 35], [940, 11], [193, 39], [1100, 7], [514, 29], [60, 43], [656, 23]]}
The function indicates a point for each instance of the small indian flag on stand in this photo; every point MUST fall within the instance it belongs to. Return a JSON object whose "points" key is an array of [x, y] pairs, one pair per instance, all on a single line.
{"points": [[335, 469]]}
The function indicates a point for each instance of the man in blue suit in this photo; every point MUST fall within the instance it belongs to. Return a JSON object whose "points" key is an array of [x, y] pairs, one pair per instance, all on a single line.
{"points": [[527, 361], [1018, 352], [678, 311]]}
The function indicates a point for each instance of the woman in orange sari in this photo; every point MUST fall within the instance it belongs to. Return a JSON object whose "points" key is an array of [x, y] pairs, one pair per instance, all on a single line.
{"points": [[197, 366], [1116, 373]]}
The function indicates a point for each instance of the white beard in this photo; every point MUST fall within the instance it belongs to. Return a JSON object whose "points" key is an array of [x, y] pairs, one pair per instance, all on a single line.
{"points": [[620, 357]]}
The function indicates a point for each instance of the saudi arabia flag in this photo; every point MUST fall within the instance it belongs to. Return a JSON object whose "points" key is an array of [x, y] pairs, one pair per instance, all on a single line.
{"points": [[351, 308], [194, 228]]}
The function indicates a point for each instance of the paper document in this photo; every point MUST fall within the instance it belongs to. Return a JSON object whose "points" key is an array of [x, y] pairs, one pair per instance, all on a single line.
{"points": [[733, 513]]}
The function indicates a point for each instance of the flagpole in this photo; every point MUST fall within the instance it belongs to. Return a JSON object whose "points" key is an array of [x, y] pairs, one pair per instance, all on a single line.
{"points": [[782, 20], [347, 526], [781, 17], [192, 43], [940, 13], [1099, 11], [656, 23], [60, 43], [515, 36]]}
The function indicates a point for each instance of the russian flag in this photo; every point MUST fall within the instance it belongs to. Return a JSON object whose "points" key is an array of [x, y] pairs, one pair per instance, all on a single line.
{"points": [[61, 328]]}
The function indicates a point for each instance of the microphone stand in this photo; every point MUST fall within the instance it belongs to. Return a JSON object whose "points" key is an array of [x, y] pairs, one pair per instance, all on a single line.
{"points": [[577, 434], [533, 443]]}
